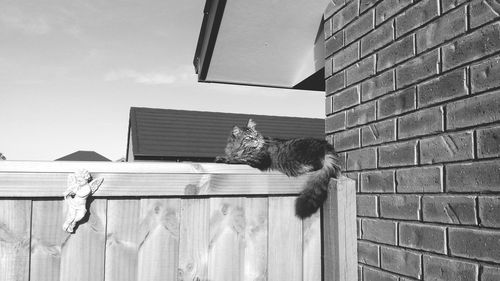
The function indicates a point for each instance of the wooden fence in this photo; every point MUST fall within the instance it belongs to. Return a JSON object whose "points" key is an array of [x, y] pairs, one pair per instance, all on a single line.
{"points": [[172, 221]]}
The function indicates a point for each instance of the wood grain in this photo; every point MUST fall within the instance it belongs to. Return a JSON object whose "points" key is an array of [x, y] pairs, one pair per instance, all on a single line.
{"points": [[22, 184], [47, 238], [226, 245], [339, 231], [194, 239], [285, 240], [256, 222], [122, 240], [15, 220], [82, 254], [158, 239], [312, 248]]}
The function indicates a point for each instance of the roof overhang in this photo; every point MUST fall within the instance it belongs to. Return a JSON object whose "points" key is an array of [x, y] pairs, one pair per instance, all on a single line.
{"points": [[277, 43]]}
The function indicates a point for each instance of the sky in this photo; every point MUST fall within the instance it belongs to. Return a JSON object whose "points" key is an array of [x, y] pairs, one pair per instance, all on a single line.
{"points": [[71, 70]]}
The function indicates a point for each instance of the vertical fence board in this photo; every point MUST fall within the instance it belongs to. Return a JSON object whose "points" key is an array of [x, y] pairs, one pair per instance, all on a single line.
{"points": [[339, 231], [285, 240], [47, 237], [193, 244], [312, 247], [255, 258], [226, 246], [122, 240], [159, 239], [82, 255], [15, 220]]}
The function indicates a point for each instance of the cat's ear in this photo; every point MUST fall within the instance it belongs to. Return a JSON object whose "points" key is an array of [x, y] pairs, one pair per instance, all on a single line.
{"points": [[251, 124], [236, 130]]}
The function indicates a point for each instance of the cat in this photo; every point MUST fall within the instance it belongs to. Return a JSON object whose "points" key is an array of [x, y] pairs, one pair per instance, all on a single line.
{"points": [[293, 157]]}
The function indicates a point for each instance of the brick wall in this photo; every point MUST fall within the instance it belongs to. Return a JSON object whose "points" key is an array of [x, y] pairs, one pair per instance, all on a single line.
{"points": [[413, 107]]}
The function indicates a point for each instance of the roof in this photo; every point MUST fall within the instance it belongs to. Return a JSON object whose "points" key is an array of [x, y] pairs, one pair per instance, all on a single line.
{"points": [[277, 43], [168, 134], [82, 155]]}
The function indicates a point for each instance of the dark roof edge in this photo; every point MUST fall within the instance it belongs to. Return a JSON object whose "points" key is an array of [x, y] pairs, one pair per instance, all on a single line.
{"points": [[132, 132], [212, 17], [134, 126]]}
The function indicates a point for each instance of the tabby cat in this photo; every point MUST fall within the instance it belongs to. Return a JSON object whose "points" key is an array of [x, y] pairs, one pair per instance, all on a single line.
{"points": [[292, 157]]}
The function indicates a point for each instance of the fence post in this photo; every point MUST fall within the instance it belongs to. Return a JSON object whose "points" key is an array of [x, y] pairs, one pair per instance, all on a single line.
{"points": [[340, 252]]}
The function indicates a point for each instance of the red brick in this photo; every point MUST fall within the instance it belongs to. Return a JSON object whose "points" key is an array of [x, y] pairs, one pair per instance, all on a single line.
{"points": [[395, 53], [488, 142], [401, 261], [446, 148], [345, 57], [388, 8], [366, 205], [368, 253], [489, 211], [335, 122], [361, 159], [328, 105], [360, 70], [345, 15], [370, 274], [447, 5], [366, 4], [399, 154], [358, 228], [378, 182], [416, 16], [423, 237], [380, 132], [403, 207], [473, 46], [442, 29], [397, 103], [481, 13], [377, 86], [334, 43], [490, 273], [359, 27], [423, 122], [486, 75], [342, 160], [328, 68], [449, 209], [354, 176], [476, 110], [361, 114], [335, 83], [419, 180], [450, 85], [380, 231], [475, 244], [473, 177], [417, 69], [377, 38], [346, 98], [439, 268], [332, 7], [346, 140], [327, 28]]}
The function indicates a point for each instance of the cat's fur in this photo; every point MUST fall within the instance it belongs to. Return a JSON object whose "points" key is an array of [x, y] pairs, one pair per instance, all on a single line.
{"points": [[292, 157]]}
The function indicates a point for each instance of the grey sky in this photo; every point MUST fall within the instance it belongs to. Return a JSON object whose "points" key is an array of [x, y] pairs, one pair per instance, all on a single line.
{"points": [[70, 70]]}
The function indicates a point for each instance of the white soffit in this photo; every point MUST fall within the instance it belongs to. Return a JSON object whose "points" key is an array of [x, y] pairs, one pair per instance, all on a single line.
{"points": [[276, 43]]}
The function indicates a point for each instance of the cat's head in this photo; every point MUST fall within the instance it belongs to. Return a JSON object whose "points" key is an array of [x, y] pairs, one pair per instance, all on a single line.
{"points": [[244, 141]]}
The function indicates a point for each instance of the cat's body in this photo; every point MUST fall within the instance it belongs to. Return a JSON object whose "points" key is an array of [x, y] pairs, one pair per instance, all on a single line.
{"points": [[292, 157]]}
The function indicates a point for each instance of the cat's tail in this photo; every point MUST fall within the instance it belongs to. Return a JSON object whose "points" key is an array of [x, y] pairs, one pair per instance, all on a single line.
{"points": [[315, 192]]}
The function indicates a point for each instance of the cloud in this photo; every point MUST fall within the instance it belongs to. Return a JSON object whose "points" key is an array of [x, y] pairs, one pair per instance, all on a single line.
{"points": [[28, 24], [152, 78]]}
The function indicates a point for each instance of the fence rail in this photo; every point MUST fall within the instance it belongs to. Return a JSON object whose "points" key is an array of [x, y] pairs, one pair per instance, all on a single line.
{"points": [[172, 221]]}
